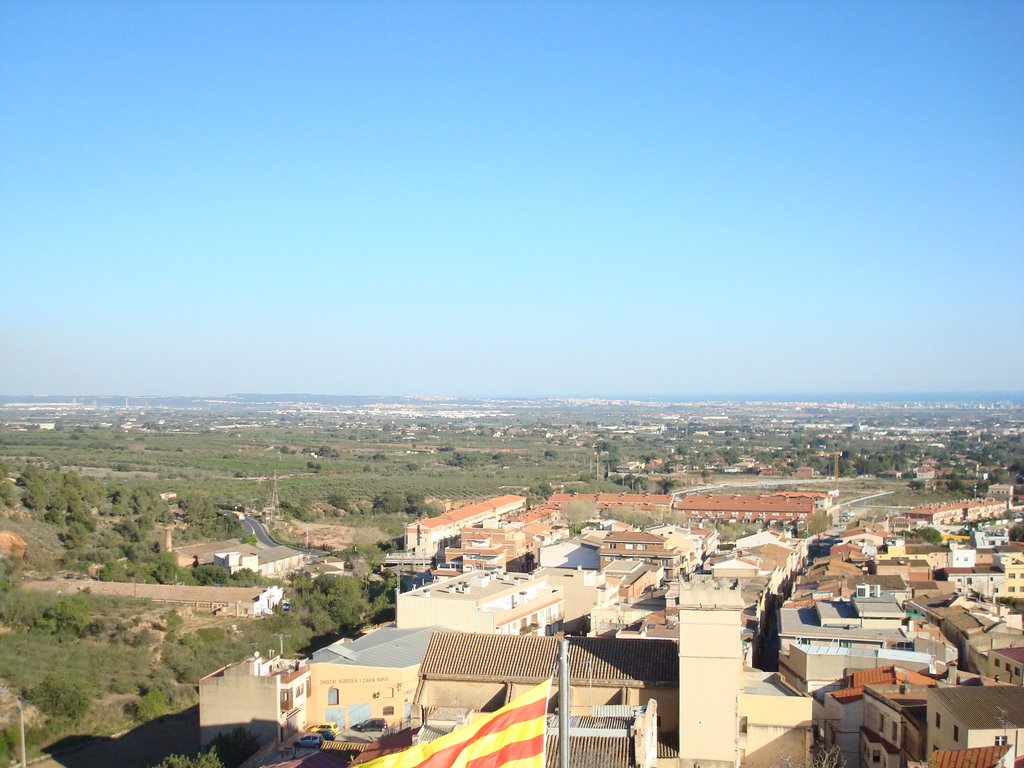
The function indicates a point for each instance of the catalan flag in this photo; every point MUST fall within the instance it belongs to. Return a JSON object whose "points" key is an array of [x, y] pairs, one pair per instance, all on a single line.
{"points": [[512, 737]]}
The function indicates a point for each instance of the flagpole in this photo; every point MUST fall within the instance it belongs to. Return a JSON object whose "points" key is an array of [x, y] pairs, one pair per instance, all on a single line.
{"points": [[563, 703]]}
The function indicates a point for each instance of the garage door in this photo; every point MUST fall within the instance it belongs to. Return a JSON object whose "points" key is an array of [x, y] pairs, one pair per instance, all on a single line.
{"points": [[335, 715], [357, 713]]}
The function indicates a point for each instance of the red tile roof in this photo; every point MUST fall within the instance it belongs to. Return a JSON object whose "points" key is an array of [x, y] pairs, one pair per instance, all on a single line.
{"points": [[846, 695], [975, 757], [890, 675], [714, 503], [465, 513], [662, 499], [634, 536], [1017, 654]]}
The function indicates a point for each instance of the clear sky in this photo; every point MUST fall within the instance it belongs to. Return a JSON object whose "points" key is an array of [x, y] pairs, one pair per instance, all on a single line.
{"points": [[511, 198]]}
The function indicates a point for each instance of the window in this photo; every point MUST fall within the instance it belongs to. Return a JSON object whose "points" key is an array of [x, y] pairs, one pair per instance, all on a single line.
{"points": [[956, 733], [938, 720], [997, 664], [876, 756], [894, 731], [332, 697], [389, 711], [1001, 741]]}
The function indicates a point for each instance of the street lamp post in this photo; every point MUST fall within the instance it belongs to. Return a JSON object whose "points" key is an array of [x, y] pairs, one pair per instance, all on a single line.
{"points": [[21, 721]]}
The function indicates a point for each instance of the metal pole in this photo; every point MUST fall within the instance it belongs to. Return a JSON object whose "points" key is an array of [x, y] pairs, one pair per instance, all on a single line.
{"points": [[563, 703], [21, 721], [4, 691]]}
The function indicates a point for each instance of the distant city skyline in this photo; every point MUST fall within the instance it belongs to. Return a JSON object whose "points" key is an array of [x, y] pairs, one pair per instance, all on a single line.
{"points": [[511, 199], [241, 399]]}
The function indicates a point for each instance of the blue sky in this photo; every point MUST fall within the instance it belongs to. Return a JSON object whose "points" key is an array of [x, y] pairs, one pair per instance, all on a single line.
{"points": [[511, 198]]}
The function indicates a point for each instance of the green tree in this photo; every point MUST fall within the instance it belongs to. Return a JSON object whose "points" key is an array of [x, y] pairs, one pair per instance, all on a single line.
{"points": [[8, 492], [236, 747], [60, 695], [69, 618], [36, 493], [928, 535], [576, 514], [173, 621], [150, 706], [202, 760], [820, 521], [209, 575], [166, 569]]}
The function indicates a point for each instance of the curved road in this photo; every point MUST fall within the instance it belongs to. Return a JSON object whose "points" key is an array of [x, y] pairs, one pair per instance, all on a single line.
{"points": [[263, 536], [257, 529]]}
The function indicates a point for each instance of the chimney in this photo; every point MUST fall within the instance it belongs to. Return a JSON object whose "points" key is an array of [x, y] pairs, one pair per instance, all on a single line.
{"points": [[951, 672]]}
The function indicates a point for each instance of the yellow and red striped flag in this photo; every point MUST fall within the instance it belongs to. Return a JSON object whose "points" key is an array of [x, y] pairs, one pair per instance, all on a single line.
{"points": [[512, 737]]}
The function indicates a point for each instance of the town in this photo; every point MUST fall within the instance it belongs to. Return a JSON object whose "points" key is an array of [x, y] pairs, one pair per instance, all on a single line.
{"points": [[511, 384], [724, 601]]}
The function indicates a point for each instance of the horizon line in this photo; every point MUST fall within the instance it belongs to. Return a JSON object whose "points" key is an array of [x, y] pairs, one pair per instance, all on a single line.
{"points": [[809, 395]]}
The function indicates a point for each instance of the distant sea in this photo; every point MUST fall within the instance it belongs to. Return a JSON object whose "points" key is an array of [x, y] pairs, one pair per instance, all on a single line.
{"points": [[834, 397]]}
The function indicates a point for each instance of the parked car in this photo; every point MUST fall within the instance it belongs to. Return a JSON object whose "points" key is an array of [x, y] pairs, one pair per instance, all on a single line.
{"points": [[373, 724], [311, 740], [324, 727]]}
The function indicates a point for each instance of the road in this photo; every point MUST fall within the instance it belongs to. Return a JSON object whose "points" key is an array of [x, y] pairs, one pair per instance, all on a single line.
{"points": [[851, 502], [769, 483], [257, 529]]}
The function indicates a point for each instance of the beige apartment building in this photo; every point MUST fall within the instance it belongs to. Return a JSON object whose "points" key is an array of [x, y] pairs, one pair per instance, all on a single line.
{"points": [[956, 512], [429, 536], [645, 547], [267, 696], [472, 672], [962, 717], [488, 602], [374, 676], [482, 548], [729, 715], [583, 592]]}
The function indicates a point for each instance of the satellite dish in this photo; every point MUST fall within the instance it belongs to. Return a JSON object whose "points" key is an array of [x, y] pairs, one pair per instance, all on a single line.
{"points": [[255, 654]]}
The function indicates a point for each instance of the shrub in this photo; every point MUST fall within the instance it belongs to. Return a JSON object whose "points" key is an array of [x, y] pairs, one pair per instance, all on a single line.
{"points": [[62, 696], [150, 706]]}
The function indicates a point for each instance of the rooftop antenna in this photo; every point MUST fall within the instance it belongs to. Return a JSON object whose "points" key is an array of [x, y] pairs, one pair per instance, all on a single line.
{"points": [[280, 638]]}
